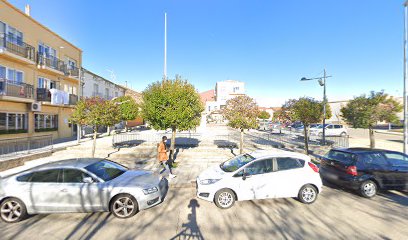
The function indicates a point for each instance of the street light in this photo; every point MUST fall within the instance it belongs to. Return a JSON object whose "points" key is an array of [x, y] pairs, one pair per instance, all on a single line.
{"points": [[405, 79], [322, 82]]}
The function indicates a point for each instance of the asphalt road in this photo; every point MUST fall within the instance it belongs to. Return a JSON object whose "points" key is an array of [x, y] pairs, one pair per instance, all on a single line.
{"points": [[363, 134], [337, 214]]}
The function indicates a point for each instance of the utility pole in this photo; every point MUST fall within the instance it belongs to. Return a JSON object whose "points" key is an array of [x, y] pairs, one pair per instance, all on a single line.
{"points": [[165, 47], [405, 79], [324, 107]]}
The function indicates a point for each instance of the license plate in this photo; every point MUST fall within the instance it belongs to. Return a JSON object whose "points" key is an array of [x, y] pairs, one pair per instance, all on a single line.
{"points": [[331, 176]]}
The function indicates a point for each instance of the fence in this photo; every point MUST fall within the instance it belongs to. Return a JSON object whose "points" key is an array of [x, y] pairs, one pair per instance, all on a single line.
{"points": [[16, 146]]}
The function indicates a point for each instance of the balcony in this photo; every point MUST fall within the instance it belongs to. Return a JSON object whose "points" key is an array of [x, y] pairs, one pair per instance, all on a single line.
{"points": [[43, 95], [15, 48], [52, 64], [16, 89], [72, 71], [73, 99]]}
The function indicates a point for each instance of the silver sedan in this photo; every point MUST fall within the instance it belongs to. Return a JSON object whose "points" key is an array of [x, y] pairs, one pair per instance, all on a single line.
{"points": [[80, 185]]}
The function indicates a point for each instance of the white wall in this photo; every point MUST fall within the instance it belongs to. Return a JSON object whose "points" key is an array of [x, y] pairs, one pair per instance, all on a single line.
{"points": [[90, 79], [225, 90]]}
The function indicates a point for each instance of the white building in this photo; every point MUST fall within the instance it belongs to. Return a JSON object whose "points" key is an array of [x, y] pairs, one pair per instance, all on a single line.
{"points": [[224, 91], [94, 85]]}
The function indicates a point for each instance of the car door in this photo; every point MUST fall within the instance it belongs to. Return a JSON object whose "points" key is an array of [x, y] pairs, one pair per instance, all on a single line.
{"points": [[255, 180], [45, 190], [375, 164], [289, 176], [399, 169], [78, 195], [330, 131]]}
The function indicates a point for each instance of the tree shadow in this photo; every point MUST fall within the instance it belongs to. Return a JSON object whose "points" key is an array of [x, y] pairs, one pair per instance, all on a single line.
{"points": [[225, 144], [128, 144], [190, 229]]}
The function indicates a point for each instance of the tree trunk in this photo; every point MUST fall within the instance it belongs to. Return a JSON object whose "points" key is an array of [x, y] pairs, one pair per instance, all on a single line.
{"points": [[109, 131], [94, 141], [126, 127], [306, 131], [241, 142], [172, 144], [372, 138], [79, 133]]}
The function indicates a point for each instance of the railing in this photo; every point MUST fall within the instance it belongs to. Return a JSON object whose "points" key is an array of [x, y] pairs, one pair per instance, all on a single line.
{"points": [[17, 46], [73, 99], [52, 62], [43, 95], [16, 146], [16, 89], [72, 71]]}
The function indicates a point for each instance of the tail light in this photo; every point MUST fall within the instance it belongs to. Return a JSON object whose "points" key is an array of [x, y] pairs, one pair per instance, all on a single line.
{"points": [[313, 166], [352, 170]]}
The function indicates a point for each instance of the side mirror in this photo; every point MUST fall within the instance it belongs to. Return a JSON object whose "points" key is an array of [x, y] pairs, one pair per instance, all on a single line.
{"points": [[87, 180], [244, 175]]}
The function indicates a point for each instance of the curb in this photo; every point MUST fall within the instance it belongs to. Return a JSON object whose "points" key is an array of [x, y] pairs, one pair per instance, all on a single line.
{"points": [[390, 133]]}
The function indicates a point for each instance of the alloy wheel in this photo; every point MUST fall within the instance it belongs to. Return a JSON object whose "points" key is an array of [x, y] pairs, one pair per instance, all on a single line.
{"points": [[11, 211], [308, 194], [123, 207], [370, 189], [225, 199]]}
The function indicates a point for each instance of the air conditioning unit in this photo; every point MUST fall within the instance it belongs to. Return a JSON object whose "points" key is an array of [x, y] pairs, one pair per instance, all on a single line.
{"points": [[35, 107]]}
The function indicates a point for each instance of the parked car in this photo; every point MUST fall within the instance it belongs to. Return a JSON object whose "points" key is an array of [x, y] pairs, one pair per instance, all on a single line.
{"points": [[80, 185], [264, 125], [330, 130], [365, 170], [260, 175]]}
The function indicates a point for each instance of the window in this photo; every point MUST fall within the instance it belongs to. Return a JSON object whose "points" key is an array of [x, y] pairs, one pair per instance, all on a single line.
{"points": [[373, 159], [15, 76], [73, 176], [106, 93], [95, 89], [106, 170], [14, 36], [46, 83], [338, 126], [46, 176], [259, 167], [13, 122], [289, 163], [71, 63], [116, 94], [397, 159], [235, 89], [344, 157], [330, 127], [44, 122], [24, 178], [236, 162]]}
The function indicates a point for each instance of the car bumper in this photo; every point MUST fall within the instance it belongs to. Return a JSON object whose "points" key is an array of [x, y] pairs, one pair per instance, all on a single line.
{"points": [[347, 181], [205, 192], [153, 199]]}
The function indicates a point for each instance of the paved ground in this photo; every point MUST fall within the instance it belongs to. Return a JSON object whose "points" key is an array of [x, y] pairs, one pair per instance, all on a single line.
{"points": [[360, 138]]}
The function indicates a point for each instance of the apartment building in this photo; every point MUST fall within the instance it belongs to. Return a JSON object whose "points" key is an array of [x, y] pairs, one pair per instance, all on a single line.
{"points": [[93, 85], [39, 77], [216, 99]]}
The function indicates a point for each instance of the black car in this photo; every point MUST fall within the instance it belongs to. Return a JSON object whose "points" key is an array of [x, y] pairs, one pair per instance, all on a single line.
{"points": [[365, 170]]}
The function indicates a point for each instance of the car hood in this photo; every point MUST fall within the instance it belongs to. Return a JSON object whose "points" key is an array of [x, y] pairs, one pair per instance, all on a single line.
{"points": [[214, 172], [139, 178]]}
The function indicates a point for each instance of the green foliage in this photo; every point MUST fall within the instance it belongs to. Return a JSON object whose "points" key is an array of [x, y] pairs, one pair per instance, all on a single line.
{"points": [[241, 112], [129, 109], [366, 111], [306, 110], [172, 104], [95, 112], [264, 115]]}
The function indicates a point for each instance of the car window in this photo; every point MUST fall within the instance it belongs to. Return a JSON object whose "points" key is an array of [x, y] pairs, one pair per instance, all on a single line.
{"points": [[46, 176], [330, 126], [106, 170], [377, 159], [24, 178], [337, 126], [236, 162], [344, 157], [397, 159], [286, 163], [259, 167], [73, 176]]}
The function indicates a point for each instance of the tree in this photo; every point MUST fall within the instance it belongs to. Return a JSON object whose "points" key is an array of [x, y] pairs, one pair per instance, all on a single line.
{"points": [[173, 104], [241, 113], [264, 115], [306, 110], [129, 109], [95, 112], [367, 111]]}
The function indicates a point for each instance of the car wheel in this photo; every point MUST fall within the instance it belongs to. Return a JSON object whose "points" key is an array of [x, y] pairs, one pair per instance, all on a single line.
{"points": [[124, 206], [224, 198], [13, 210], [307, 194], [368, 189], [343, 134]]}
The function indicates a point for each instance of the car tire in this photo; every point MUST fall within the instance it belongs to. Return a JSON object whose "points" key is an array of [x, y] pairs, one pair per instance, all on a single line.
{"points": [[124, 206], [224, 198], [368, 189], [13, 210], [308, 194]]}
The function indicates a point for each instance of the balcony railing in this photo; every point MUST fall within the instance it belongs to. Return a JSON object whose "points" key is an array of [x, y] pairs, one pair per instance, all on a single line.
{"points": [[16, 89], [17, 46], [43, 95], [73, 71], [73, 99], [52, 62]]}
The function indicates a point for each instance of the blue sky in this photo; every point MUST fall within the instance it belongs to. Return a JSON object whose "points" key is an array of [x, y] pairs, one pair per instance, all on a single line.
{"points": [[268, 44]]}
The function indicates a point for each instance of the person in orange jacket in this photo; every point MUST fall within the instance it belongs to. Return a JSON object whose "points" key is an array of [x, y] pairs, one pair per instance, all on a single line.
{"points": [[163, 157]]}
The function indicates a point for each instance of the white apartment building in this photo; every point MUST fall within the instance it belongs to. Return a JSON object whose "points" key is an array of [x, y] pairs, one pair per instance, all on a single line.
{"points": [[94, 85], [224, 91]]}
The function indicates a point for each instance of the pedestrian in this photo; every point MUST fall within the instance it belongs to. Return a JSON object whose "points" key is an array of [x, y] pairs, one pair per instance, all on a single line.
{"points": [[163, 157]]}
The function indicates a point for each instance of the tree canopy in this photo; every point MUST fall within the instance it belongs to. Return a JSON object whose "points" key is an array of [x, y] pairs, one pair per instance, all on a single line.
{"points": [[129, 109], [241, 112], [264, 115]]}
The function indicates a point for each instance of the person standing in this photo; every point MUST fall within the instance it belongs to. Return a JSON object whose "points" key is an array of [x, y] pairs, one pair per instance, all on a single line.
{"points": [[163, 157]]}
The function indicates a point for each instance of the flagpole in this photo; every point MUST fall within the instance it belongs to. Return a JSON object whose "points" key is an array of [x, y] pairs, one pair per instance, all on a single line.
{"points": [[165, 47]]}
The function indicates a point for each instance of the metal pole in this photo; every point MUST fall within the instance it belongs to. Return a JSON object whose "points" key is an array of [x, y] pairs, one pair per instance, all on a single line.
{"points": [[165, 47], [324, 107], [405, 80]]}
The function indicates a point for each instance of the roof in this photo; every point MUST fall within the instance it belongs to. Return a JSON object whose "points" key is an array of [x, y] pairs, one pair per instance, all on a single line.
{"points": [[104, 79], [361, 150], [278, 153], [75, 162]]}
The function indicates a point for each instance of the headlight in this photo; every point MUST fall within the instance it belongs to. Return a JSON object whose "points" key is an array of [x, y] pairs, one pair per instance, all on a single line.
{"points": [[150, 190], [208, 181]]}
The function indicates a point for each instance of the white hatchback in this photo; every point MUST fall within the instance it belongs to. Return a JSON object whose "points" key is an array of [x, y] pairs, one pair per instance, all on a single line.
{"points": [[260, 175]]}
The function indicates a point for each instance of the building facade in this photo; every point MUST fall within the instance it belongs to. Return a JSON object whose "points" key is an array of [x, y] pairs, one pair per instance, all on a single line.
{"points": [[93, 85], [39, 77], [216, 99]]}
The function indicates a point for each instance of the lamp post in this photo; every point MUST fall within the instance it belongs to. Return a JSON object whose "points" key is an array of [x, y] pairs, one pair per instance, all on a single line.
{"points": [[405, 79], [322, 82]]}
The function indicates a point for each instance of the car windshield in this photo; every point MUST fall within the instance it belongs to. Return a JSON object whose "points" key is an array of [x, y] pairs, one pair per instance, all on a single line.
{"points": [[106, 170], [321, 126], [236, 162], [339, 156]]}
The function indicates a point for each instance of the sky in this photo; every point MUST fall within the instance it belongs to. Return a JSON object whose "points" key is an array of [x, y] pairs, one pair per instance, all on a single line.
{"points": [[270, 45]]}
